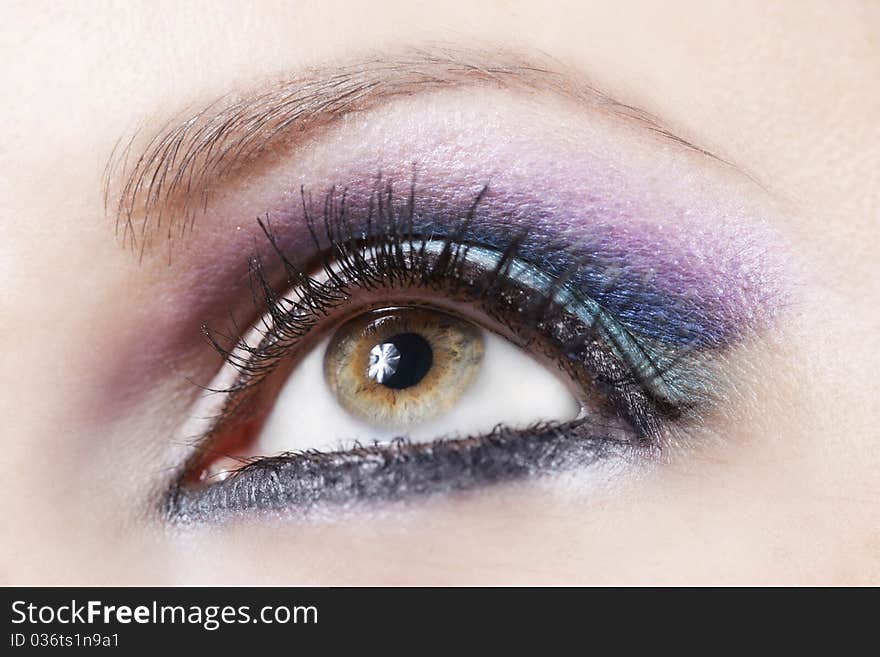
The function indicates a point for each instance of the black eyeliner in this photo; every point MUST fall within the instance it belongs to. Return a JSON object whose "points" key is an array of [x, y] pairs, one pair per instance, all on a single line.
{"points": [[298, 482]]}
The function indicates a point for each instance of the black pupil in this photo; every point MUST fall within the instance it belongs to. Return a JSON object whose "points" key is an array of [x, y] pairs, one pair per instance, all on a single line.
{"points": [[416, 358]]}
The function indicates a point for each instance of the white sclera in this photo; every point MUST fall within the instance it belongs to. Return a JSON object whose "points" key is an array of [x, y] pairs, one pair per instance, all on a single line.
{"points": [[511, 388]]}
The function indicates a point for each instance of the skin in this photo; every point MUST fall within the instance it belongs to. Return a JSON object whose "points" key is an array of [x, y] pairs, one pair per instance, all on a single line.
{"points": [[785, 492]]}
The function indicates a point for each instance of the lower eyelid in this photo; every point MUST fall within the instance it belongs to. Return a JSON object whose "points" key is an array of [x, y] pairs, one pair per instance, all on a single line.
{"points": [[299, 483]]}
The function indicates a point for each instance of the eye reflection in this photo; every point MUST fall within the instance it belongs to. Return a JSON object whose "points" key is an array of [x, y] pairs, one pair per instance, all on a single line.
{"points": [[399, 366], [386, 366]]}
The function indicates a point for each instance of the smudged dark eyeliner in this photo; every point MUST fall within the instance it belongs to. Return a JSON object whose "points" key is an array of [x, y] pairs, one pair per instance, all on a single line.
{"points": [[302, 481]]}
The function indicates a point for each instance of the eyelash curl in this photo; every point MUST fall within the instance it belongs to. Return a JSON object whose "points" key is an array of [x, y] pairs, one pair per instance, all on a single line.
{"points": [[391, 251]]}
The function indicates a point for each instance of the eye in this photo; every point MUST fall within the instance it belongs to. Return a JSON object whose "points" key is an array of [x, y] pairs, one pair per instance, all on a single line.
{"points": [[399, 361], [412, 372]]}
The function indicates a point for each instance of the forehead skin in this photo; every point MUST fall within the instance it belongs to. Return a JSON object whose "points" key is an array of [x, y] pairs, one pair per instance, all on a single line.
{"points": [[787, 92]]}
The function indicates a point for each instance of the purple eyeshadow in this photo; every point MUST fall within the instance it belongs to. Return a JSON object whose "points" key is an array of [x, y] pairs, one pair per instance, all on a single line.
{"points": [[679, 283]]}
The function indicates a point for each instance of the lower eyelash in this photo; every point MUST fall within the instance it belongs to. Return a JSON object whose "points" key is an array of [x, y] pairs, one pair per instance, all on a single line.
{"points": [[305, 480]]}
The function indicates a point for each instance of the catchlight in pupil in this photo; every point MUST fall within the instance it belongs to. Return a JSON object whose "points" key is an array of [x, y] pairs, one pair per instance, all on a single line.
{"points": [[400, 362]]}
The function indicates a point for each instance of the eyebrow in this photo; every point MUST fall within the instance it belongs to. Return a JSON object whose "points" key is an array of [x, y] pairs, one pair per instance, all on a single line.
{"points": [[168, 183]]}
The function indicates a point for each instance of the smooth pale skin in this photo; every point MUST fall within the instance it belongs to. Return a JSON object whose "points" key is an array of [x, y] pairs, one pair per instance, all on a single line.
{"points": [[789, 92]]}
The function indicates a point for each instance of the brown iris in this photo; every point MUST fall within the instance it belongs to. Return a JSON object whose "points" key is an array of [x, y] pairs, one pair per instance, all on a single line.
{"points": [[396, 367]]}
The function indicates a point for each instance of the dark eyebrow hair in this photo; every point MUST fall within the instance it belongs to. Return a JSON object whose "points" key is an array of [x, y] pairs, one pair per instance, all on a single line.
{"points": [[181, 161]]}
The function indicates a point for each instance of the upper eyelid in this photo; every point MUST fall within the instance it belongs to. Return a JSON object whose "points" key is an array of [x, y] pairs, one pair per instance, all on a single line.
{"points": [[183, 160]]}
